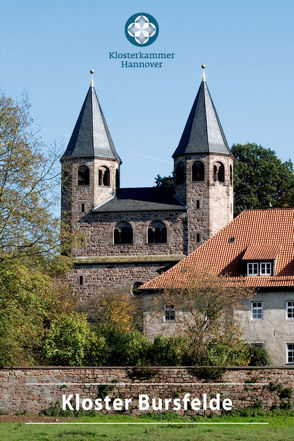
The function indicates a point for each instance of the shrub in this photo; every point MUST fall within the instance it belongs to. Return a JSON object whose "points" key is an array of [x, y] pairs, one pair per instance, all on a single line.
{"points": [[167, 351], [258, 356], [124, 348], [286, 393], [69, 340]]}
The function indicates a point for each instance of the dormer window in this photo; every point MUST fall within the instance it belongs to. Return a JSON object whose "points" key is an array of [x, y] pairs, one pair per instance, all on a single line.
{"points": [[260, 259], [266, 269], [259, 268], [252, 269]]}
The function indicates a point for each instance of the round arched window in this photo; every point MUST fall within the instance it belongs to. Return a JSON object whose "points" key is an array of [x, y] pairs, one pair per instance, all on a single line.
{"points": [[123, 233], [104, 177], [157, 232], [198, 171], [180, 174], [83, 175]]}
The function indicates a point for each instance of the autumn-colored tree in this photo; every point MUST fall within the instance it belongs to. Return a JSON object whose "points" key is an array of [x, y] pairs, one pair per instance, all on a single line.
{"points": [[206, 315], [112, 309]]}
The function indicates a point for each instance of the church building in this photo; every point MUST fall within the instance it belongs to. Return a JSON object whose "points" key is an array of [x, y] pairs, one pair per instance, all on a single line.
{"points": [[128, 236]]}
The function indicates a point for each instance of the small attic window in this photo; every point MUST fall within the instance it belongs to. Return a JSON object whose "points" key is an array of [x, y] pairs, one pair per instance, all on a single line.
{"points": [[231, 239]]}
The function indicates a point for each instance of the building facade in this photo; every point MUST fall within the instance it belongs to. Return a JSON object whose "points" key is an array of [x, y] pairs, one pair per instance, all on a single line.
{"points": [[128, 236], [255, 249]]}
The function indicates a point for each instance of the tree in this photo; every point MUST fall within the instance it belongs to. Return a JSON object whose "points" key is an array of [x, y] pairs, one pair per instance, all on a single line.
{"points": [[27, 181], [33, 293], [70, 341], [261, 179], [114, 310], [164, 182], [205, 316]]}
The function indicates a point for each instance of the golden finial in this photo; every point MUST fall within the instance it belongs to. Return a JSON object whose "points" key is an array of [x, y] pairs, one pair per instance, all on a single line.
{"points": [[92, 81], [203, 72]]}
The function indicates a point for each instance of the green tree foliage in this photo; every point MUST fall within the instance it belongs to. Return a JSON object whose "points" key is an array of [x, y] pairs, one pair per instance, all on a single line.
{"points": [[32, 295], [33, 290], [129, 348], [258, 356], [165, 182], [261, 179], [168, 351], [70, 341], [27, 181]]}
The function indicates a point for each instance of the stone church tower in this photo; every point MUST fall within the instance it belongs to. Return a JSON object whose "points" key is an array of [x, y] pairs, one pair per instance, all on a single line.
{"points": [[203, 170], [90, 164], [130, 235]]}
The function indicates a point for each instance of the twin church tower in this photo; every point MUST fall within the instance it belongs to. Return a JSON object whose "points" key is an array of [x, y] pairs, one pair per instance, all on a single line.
{"points": [[128, 236]]}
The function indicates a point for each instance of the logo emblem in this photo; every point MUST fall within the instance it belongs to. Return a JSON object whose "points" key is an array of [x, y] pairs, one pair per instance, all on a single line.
{"points": [[141, 29]]}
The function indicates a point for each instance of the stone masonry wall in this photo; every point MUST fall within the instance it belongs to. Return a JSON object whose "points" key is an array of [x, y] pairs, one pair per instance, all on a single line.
{"points": [[97, 229], [35, 389], [117, 276], [209, 202]]}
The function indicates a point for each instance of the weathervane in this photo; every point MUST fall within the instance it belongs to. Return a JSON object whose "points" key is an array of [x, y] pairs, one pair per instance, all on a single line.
{"points": [[92, 81], [203, 72]]}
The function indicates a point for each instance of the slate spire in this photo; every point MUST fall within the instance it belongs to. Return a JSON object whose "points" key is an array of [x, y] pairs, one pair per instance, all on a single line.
{"points": [[91, 137], [203, 132]]}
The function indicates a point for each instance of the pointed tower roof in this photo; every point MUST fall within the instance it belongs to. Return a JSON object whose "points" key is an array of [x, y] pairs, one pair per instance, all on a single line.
{"points": [[91, 136], [203, 132]]}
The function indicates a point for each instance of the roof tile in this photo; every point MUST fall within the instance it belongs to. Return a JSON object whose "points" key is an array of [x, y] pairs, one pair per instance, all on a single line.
{"points": [[271, 230]]}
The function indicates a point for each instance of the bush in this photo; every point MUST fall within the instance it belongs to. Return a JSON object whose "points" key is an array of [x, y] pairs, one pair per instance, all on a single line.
{"points": [[167, 351], [258, 356], [227, 352], [286, 393], [124, 348], [70, 339]]}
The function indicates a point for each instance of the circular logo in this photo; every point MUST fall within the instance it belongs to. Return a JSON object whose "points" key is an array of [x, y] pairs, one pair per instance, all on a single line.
{"points": [[141, 29]]}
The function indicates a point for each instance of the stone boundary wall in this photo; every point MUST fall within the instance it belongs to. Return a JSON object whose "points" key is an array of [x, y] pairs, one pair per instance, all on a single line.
{"points": [[250, 386]]}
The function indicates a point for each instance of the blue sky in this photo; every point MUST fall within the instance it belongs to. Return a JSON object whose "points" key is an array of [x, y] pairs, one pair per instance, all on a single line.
{"points": [[47, 49]]}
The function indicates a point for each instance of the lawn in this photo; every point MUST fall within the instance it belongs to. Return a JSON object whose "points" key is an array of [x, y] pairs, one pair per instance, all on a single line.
{"points": [[280, 428]]}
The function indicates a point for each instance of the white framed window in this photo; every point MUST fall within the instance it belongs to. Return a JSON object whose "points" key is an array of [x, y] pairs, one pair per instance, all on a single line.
{"points": [[169, 313], [265, 268], [290, 309], [256, 310], [290, 353], [252, 269], [259, 268]]}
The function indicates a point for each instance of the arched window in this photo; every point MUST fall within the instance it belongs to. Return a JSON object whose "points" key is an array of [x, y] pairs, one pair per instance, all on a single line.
{"points": [[104, 177], [123, 233], [198, 171], [135, 288], [180, 174], [219, 172], [157, 232], [231, 175], [83, 175]]}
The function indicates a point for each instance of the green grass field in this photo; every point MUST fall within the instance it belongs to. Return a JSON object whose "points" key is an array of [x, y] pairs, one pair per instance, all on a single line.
{"points": [[280, 428]]}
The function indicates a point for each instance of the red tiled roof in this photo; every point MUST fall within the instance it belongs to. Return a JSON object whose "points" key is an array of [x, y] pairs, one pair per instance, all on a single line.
{"points": [[268, 232], [261, 252]]}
